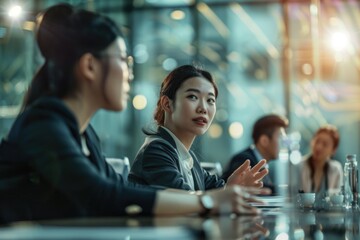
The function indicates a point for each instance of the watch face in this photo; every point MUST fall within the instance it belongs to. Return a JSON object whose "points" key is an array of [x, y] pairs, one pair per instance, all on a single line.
{"points": [[207, 202]]}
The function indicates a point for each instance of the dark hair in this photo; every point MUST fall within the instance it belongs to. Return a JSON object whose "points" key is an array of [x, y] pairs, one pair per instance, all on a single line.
{"points": [[267, 125], [64, 34], [333, 133], [172, 83]]}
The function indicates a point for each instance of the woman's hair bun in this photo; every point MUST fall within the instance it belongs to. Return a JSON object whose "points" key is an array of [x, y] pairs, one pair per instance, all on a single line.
{"points": [[65, 32], [54, 31]]}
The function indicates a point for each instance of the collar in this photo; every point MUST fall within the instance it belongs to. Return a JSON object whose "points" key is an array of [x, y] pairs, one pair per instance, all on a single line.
{"points": [[257, 154], [184, 154]]}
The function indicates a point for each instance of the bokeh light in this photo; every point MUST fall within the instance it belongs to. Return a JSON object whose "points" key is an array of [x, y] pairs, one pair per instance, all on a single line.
{"points": [[215, 130], [177, 15], [139, 102], [236, 130]]}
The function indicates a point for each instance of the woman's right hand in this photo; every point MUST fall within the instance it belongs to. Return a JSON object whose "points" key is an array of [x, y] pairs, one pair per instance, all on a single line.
{"points": [[235, 199], [231, 199]]}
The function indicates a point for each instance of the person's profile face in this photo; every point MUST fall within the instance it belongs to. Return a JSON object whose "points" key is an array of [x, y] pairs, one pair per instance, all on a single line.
{"points": [[275, 142], [117, 85]]}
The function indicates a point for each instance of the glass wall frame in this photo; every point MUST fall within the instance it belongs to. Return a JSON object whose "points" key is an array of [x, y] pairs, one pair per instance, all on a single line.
{"points": [[266, 56]]}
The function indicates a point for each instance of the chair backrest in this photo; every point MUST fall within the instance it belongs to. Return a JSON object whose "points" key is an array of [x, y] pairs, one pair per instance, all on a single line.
{"points": [[120, 165], [214, 168]]}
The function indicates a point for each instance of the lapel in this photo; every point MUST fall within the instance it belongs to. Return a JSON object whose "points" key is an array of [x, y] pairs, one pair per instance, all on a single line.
{"points": [[196, 170], [162, 133], [165, 137], [199, 181], [95, 152]]}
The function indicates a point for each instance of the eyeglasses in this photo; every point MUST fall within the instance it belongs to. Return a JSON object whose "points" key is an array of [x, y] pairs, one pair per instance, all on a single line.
{"points": [[129, 62]]}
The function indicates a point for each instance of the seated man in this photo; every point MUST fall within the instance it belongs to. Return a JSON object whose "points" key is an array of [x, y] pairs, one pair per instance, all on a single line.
{"points": [[266, 134]]}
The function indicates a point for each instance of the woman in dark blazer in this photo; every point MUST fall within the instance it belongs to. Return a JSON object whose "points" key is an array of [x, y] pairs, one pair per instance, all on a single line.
{"points": [[185, 109]]}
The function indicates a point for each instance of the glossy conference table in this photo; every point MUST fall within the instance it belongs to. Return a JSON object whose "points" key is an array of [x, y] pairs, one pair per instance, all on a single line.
{"points": [[275, 222]]}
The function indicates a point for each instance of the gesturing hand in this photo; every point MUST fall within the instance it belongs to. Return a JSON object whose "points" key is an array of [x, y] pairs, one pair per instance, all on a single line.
{"points": [[247, 176], [235, 199]]}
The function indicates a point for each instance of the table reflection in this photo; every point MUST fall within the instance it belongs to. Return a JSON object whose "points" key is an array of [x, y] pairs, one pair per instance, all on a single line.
{"points": [[295, 224], [234, 227], [275, 223]]}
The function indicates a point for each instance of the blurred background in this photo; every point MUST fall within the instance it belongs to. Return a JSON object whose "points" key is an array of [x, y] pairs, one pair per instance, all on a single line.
{"points": [[299, 59]]}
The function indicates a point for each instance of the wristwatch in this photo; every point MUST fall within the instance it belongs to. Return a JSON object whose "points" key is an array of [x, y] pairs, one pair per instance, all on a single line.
{"points": [[207, 203]]}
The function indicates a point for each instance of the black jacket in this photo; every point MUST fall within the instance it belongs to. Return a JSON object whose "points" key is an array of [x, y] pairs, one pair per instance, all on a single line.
{"points": [[157, 163], [44, 173], [239, 159]]}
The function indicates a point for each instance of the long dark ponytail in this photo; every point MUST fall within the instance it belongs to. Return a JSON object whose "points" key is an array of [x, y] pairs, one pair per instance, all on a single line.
{"points": [[64, 34]]}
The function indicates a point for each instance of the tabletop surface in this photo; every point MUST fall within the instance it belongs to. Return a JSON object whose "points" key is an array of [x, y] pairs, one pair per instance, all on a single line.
{"points": [[275, 222]]}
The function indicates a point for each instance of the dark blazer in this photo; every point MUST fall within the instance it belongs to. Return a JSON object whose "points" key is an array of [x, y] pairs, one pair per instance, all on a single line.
{"points": [[157, 163], [44, 173], [239, 159]]}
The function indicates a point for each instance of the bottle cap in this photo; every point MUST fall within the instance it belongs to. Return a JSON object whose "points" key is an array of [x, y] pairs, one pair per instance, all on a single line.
{"points": [[351, 157]]}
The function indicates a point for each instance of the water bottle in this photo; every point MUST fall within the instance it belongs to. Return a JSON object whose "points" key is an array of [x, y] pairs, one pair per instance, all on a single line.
{"points": [[289, 156], [351, 182], [282, 180]]}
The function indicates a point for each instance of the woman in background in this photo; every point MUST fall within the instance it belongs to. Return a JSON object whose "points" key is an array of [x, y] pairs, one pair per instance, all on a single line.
{"points": [[185, 110], [319, 173], [51, 164]]}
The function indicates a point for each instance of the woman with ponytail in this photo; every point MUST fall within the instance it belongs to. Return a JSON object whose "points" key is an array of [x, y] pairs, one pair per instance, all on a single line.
{"points": [[185, 110]]}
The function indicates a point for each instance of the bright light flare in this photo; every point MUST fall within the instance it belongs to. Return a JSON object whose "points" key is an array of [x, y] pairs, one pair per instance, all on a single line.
{"points": [[15, 11], [339, 41]]}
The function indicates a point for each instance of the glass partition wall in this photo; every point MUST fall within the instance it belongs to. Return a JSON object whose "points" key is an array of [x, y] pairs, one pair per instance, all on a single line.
{"points": [[296, 58]]}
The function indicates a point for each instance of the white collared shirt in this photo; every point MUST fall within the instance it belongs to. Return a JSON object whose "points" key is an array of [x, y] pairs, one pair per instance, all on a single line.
{"points": [[258, 155]]}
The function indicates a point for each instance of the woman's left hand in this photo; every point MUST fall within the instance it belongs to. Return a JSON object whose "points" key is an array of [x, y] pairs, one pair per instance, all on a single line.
{"points": [[247, 176]]}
